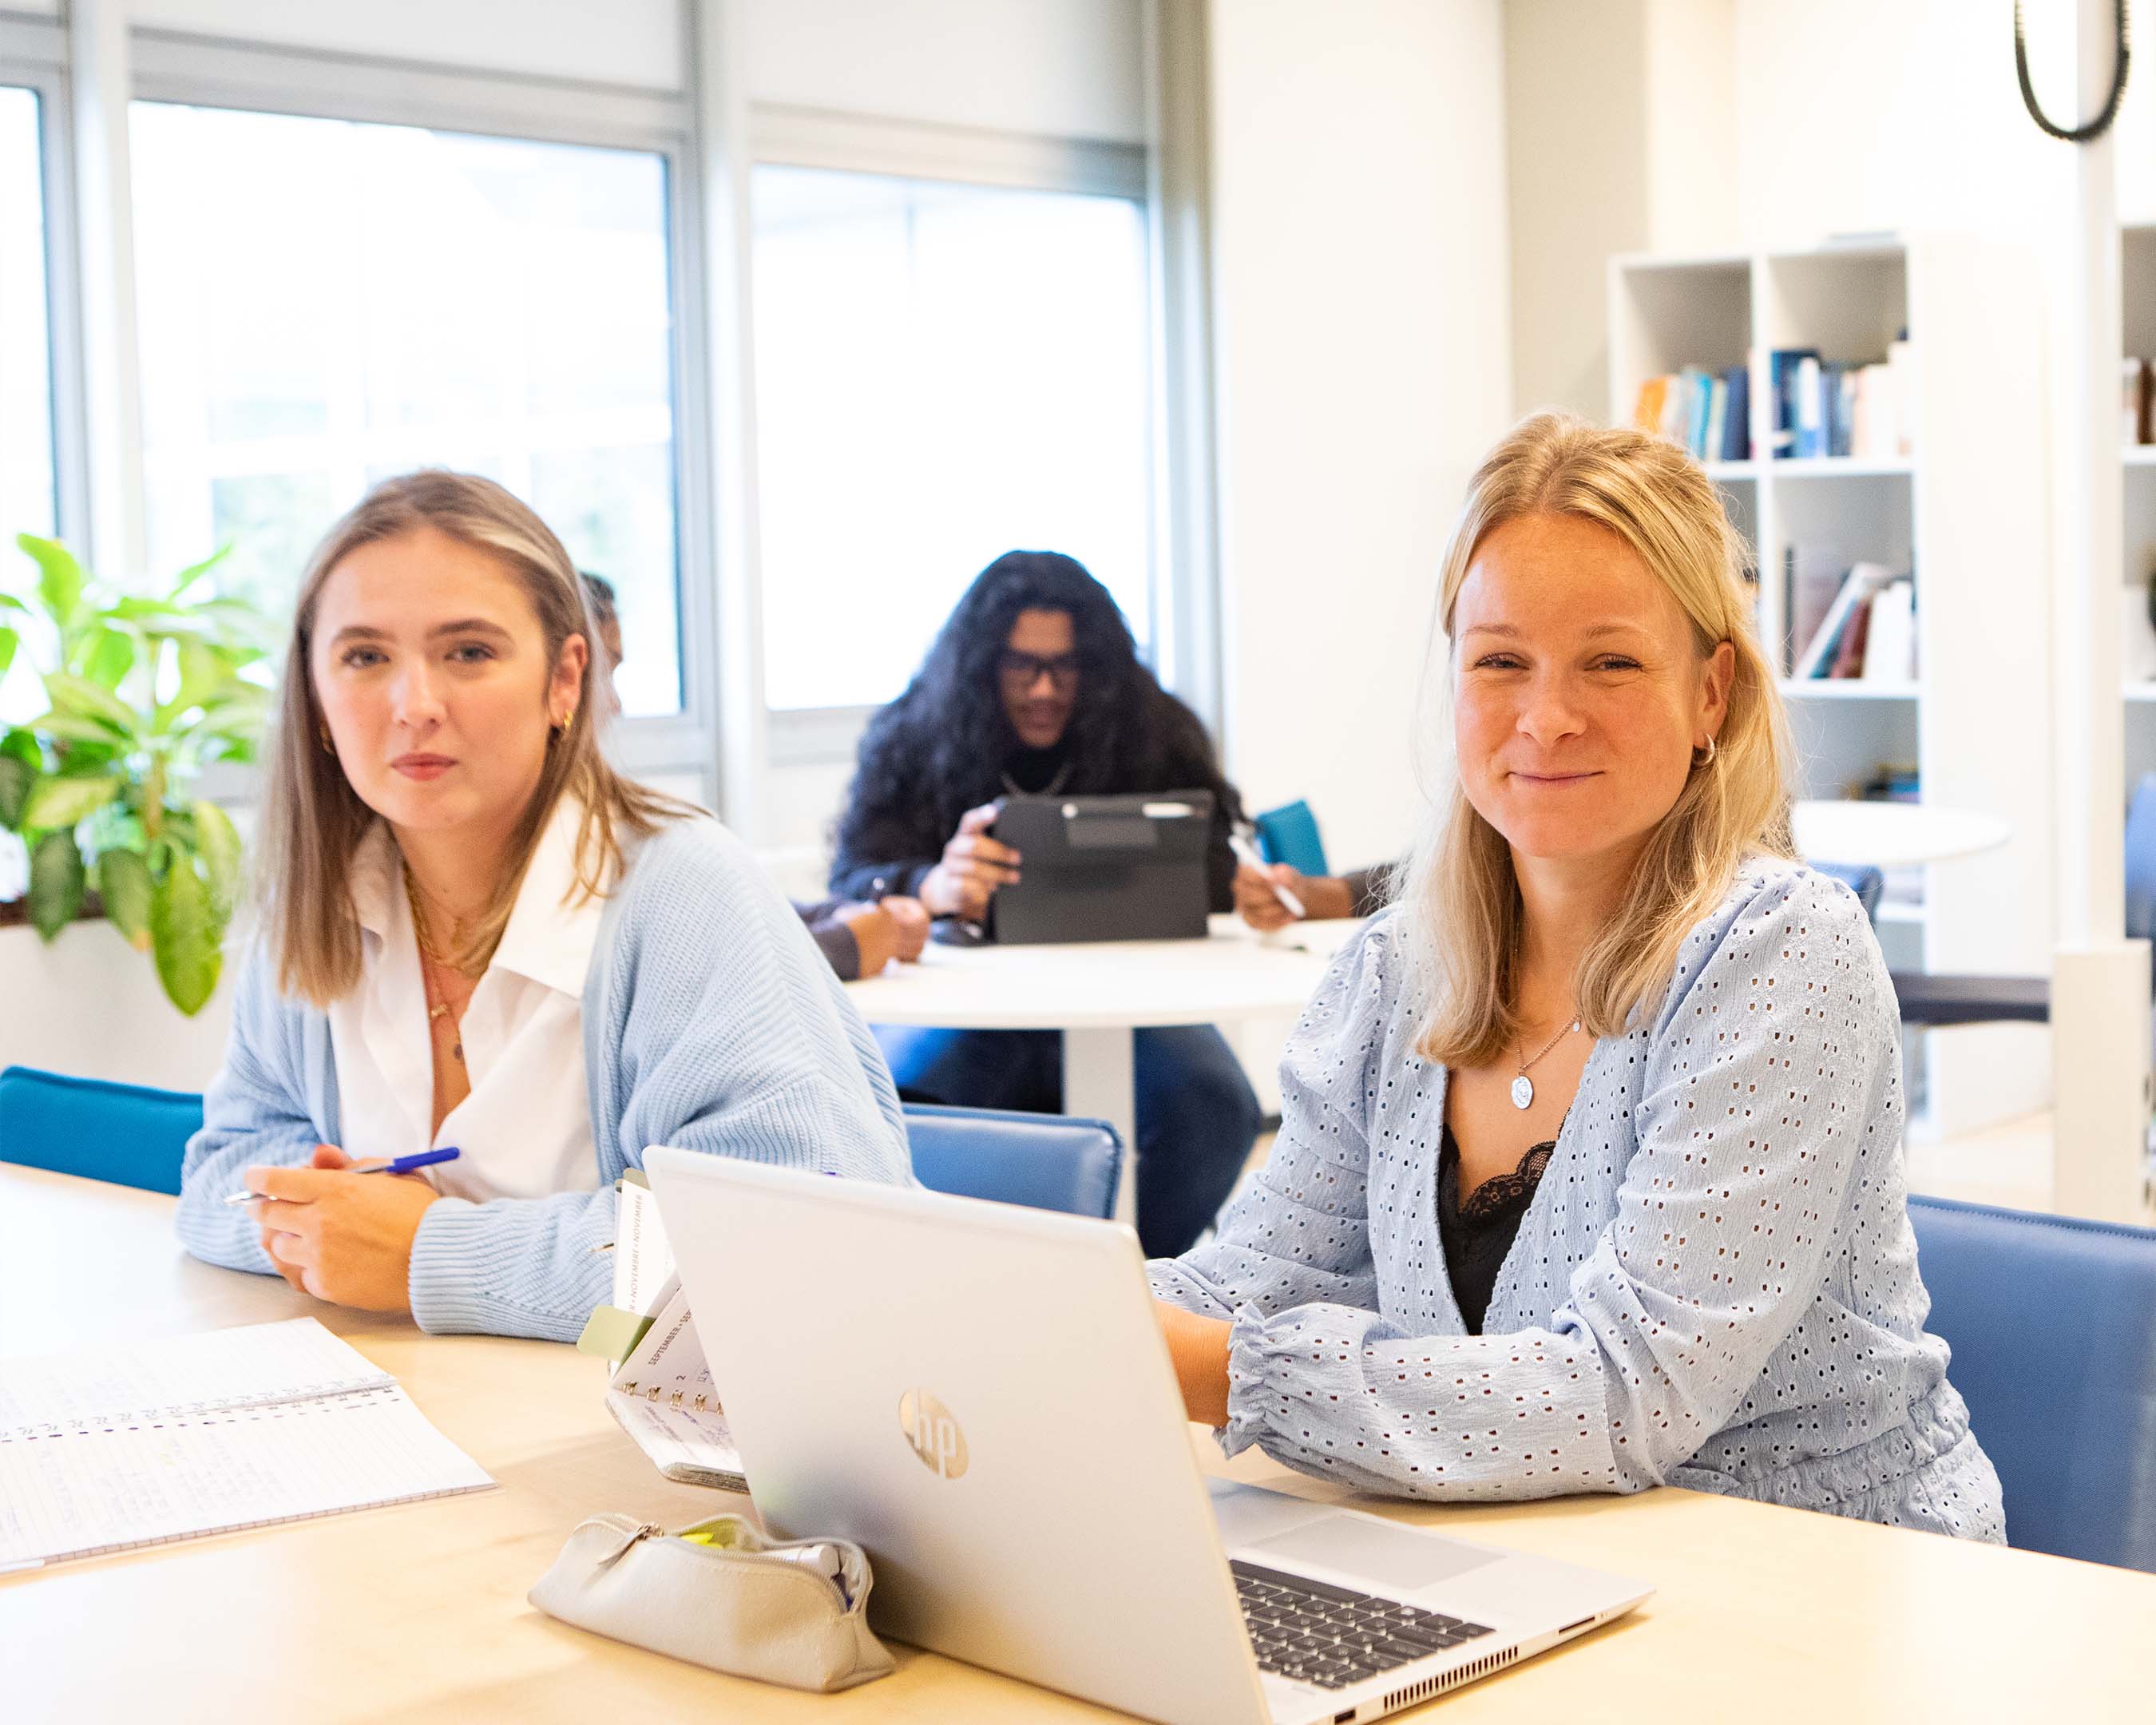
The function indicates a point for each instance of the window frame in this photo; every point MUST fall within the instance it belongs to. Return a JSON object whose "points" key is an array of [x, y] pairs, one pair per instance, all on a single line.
{"points": [[314, 83], [35, 53], [783, 135]]}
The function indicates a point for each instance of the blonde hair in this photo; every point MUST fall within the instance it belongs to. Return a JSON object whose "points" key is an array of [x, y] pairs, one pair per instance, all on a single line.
{"points": [[1460, 898], [313, 820]]}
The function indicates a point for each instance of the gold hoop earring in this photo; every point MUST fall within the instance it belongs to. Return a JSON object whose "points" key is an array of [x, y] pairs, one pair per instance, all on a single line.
{"points": [[322, 732], [1707, 759], [568, 719]]}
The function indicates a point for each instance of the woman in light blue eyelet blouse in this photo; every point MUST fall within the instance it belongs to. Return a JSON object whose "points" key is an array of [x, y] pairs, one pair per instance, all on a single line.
{"points": [[1714, 1285]]}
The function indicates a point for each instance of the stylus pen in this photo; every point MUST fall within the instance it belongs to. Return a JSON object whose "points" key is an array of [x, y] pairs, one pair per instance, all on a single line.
{"points": [[1243, 848], [402, 1165]]}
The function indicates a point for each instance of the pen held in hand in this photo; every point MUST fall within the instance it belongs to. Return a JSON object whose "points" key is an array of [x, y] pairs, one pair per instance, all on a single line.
{"points": [[1245, 850], [402, 1165]]}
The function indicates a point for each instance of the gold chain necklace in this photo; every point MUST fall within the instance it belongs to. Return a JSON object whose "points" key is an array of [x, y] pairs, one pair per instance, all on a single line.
{"points": [[436, 1007]]}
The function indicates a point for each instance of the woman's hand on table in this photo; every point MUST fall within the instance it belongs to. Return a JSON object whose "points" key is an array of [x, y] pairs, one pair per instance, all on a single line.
{"points": [[342, 1237]]}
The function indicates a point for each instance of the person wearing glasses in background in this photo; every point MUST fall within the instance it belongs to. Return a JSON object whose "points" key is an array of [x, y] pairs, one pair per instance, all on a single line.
{"points": [[857, 940], [1035, 687], [473, 932]]}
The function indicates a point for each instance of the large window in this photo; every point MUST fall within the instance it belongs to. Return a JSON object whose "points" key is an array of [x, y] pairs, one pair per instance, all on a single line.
{"points": [[943, 373], [325, 304], [28, 503], [26, 362]]}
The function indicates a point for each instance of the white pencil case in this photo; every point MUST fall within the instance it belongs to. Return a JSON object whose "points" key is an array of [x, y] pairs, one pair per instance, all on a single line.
{"points": [[781, 1611]]}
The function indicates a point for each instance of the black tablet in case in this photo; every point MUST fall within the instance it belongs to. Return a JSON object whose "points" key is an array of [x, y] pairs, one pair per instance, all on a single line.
{"points": [[1105, 868]]}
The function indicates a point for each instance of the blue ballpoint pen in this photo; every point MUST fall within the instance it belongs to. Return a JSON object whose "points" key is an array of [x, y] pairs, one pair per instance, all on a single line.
{"points": [[402, 1165]]}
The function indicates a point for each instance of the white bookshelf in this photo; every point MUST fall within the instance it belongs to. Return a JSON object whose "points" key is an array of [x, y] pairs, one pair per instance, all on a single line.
{"points": [[2138, 488], [1965, 511]]}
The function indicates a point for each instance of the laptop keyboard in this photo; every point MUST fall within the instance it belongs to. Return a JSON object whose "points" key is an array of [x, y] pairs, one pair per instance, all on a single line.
{"points": [[1333, 1636]]}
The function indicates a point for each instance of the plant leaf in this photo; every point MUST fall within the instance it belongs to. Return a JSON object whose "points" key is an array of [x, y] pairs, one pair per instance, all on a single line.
{"points": [[63, 802], [195, 572], [86, 700], [16, 778], [10, 641], [106, 655], [184, 934], [55, 893], [22, 743], [59, 576], [123, 882], [217, 841], [68, 728]]}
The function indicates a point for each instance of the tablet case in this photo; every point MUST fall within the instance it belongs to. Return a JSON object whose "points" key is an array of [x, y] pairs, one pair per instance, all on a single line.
{"points": [[1105, 868]]}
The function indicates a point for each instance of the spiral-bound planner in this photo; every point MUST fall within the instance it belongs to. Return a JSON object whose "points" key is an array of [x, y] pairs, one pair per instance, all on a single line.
{"points": [[170, 1439]]}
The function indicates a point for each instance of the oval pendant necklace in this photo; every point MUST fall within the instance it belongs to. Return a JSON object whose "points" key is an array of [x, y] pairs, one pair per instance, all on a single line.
{"points": [[1523, 1087]]}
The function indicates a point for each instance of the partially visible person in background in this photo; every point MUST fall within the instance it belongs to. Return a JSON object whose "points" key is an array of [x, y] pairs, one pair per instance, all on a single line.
{"points": [[1035, 686], [1324, 898], [856, 939]]}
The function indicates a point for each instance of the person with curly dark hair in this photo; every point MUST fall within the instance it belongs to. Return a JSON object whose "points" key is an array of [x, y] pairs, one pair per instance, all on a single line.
{"points": [[1035, 686]]}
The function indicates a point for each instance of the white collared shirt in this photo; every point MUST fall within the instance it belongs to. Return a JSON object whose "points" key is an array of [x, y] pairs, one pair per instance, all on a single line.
{"points": [[525, 1131]]}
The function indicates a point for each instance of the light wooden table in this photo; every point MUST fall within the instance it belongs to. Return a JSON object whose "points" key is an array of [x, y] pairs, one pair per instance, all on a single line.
{"points": [[416, 1612]]}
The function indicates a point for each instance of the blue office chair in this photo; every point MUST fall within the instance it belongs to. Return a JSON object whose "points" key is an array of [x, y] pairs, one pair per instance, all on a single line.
{"points": [[1049, 1160], [127, 1133], [1289, 834], [2052, 1321], [134, 1136]]}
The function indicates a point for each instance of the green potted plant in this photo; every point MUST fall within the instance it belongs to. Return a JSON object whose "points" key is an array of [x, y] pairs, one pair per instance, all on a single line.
{"points": [[143, 693]]}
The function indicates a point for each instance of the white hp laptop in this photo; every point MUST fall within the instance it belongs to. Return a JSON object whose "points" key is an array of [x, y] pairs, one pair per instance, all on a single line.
{"points": [[978, 1394]]}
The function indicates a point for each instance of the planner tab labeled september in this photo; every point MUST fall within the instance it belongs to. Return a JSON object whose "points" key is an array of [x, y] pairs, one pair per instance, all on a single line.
{"points": [[167, 1440]]}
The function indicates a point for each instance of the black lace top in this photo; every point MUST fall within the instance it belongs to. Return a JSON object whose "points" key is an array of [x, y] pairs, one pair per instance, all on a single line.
{"points": [[1478, 1234]]}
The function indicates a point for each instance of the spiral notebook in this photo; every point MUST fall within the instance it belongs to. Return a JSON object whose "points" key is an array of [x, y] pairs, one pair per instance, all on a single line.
{"points": [[174, 1439], [660, 1389]]}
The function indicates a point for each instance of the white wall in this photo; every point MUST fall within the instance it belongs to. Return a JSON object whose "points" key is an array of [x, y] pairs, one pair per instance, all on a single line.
{"points": [[1576, 179], [88, 1004], [1066, 68], [1361, 290], [633, 42]]}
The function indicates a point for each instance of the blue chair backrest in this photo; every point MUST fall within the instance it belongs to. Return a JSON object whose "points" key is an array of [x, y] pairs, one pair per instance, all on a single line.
{"points": [[1049, 1161], [2141, 861], [2052, 1321], [1289, 834], [1863, 880], [127, 1133]]}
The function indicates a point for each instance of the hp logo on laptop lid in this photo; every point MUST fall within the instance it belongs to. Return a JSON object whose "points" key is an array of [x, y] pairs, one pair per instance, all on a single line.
{"points": [[933, 1433]]}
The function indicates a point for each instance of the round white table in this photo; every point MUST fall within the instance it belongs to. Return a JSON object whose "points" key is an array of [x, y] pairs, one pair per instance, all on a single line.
{"points": [[1891, 836], [1098, 993]]}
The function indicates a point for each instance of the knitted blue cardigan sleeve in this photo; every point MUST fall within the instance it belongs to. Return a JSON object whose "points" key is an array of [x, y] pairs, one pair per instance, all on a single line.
{"points": [[710, 1022], [272, 1102]]}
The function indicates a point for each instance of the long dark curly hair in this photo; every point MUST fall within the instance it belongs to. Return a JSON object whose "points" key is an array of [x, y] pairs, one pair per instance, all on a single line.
{"points": [[944, 743]]}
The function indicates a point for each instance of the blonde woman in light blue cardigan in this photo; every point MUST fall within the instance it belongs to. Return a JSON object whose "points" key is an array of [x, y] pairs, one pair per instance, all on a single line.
{"points": [[474, 932], [1590, 1173]]}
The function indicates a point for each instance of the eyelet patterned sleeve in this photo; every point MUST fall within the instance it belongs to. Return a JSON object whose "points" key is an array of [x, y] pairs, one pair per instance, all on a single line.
{"points": [[1714, 1285]]}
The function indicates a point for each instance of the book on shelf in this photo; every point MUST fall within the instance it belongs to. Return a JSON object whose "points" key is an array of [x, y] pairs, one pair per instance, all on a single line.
{"points": [[1704, 413], [1892, 783], [1890, 643], [2137, 378], [1830, 409], [1865, 628]]}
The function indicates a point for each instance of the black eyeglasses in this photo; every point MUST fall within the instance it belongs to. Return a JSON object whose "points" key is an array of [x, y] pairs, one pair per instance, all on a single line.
{"points": [[1022, 670]]}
